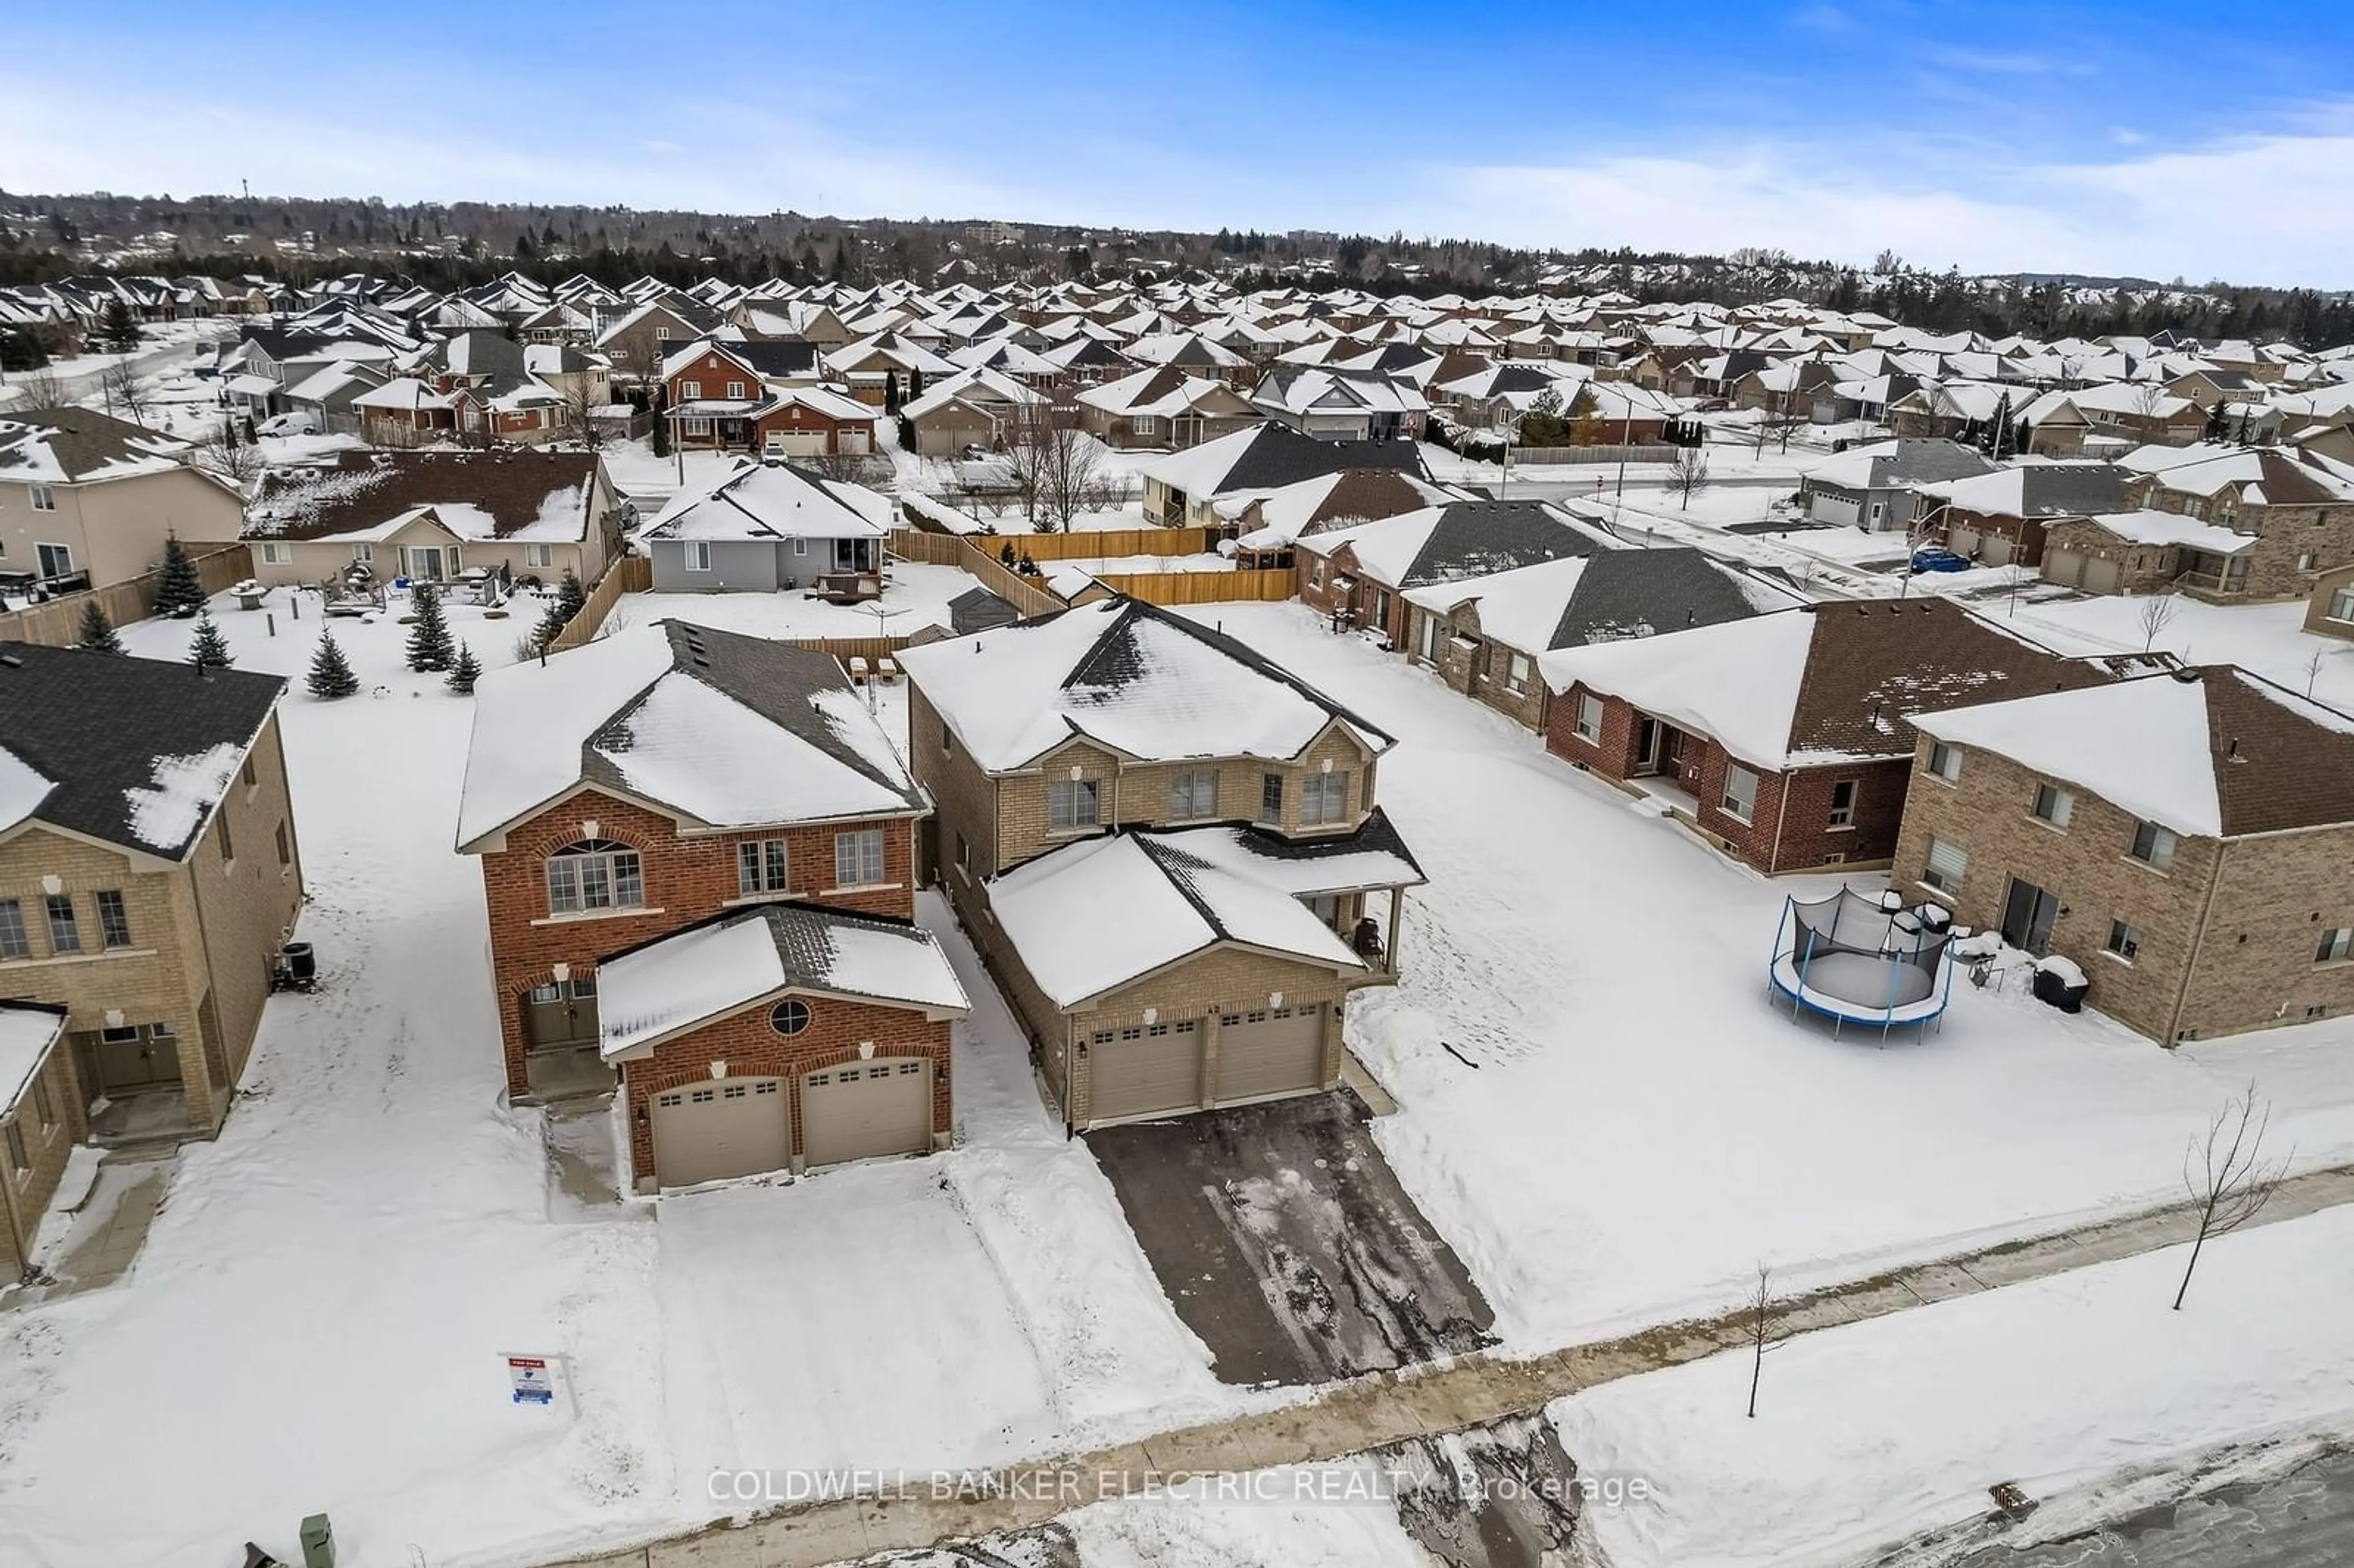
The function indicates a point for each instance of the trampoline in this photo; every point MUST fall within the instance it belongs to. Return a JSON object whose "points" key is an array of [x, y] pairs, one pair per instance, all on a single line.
{"points": [[1863, 960]]}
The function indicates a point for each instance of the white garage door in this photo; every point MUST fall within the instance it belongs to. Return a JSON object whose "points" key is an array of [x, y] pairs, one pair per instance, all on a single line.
{"points": [[1269, 1051], [1148, 1071], [2100, 575], [731, 1127], [1962, 541], [852, 441], [797, 443], [2064, 567], [1996, 550], [865, 1109], [1837, 511]]}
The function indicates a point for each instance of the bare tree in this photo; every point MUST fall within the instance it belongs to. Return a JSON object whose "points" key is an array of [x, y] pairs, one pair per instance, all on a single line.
{"points": [[1779, 420], [2313, 670], [39, 391], [1760, 1308], [1688, 473], [2156, 611], [2229, 1179], [120, 384], [1073, 481], [224, 455], [580, 397], [1030, 442]]}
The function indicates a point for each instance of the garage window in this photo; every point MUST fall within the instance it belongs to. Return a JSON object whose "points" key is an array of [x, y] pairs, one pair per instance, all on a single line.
{"points": [[595, 873], [858, 858]]}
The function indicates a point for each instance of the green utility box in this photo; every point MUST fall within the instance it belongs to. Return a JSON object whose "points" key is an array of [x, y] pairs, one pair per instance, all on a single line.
{"points": [[318, 1543]]}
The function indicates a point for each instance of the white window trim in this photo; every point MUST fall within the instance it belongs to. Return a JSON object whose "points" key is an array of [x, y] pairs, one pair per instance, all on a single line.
{"points": [[1587, 727], [698, 554], [1724, 796]]}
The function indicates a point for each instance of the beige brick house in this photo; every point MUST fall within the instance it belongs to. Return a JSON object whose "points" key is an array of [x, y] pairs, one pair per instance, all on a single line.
{"points": [[2182, 837], [41, 1120], [1166, 848], [2295, 515], [83, 494], [149, 874]]}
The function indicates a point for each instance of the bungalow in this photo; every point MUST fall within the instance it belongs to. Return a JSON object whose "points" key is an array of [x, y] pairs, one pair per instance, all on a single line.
{"points": [[1217, 483], [1786, 739], [970, 407], [763, 527], [1340, 405], [1163, 408], [431, 516], [1878, 487], [2183, 838], [1359, 575], [2000, 517]]}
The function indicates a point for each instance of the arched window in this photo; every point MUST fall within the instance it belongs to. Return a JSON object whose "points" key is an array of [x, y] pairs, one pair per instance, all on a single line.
{"points": [[594, 873]]}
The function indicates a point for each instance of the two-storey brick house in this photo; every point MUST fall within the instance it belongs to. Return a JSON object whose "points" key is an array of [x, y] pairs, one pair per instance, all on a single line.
{"points": [[2182, 837], [1165, 847], [1786, 739], [653, 780], [1360, 575], [2299, 511], [149, 874]]}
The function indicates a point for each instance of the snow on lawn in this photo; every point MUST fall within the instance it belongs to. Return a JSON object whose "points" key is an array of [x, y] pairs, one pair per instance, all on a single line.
{"points": [[1879, 1430], [318, 1317], [919, 593], [1640, 1127], [1323, 1516]]}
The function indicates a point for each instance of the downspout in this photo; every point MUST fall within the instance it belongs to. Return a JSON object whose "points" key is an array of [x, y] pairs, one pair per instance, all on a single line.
{"points": [[1781, 815], [2198, 947]]}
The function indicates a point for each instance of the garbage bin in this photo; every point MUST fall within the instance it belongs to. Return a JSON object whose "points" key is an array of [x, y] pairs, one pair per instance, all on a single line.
{"points": [[318, 1543]]}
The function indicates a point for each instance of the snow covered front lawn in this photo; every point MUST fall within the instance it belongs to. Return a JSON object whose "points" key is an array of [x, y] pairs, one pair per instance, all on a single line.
{"points": [[319, 1316], [1629, 1126], [1882, 1429]]}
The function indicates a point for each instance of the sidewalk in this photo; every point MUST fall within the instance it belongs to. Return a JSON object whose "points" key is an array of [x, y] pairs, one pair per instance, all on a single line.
{"points": [[1367, 1413]]}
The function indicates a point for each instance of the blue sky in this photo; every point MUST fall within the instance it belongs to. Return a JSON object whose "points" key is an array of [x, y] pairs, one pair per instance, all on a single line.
{"points": [[2148, 138]]}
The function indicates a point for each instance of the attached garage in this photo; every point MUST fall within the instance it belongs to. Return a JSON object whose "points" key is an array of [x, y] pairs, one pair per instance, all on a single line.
{"points": [[797, 443], [867, 1109], [1269, 1051], [1996, 550], [731, 1127], [2065, 567], [853, 440], [1839, 511], [1144, 1070], [2100, 575], [1963, 541]]}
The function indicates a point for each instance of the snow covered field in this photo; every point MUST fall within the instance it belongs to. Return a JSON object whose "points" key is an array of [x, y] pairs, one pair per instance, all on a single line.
{"points": [[919, 593], [1640, 1128], [1882, 1429], [319, 1314]]}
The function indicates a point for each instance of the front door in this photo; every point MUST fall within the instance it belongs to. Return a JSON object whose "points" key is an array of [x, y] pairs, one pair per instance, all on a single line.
{"points": [[562, 1016], [2028, 913], [134, 1057]]}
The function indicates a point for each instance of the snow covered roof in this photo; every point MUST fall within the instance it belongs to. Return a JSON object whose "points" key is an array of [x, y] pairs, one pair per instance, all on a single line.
{"points": [[2037, 490], [506, 494], [1459, 539], [2148, 527], [1338, 499], [2212, 751], [780, 501], [77, 446], [30, 1031], [752, 957], [726, 731], [1373, 855], [1906, 461], [134, 752], [1132, 677], [1171, 904], [1825, 683], [1268, 457], [1605, 596]]}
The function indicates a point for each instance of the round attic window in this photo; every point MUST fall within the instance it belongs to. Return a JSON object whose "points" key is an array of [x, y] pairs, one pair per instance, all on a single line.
{"points": [[788, 1017]]}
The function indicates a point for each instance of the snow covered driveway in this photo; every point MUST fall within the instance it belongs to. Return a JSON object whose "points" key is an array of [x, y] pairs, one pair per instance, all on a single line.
{"points": [[1639, 1127]]}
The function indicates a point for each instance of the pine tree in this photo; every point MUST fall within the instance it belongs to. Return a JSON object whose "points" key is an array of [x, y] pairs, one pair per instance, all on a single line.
{"points": [[465, 671], [180, 590], [118, 326], [331, 673], [571, 598], [659, 434], [430, 645], [97, 634], [208, 649]]}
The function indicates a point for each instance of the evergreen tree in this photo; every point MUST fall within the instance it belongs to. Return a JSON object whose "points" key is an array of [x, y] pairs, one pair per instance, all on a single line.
{"points": [[119, 327], [430, 647], [465, 671], [208, 649], [659, 434], [97, 634], [180, 591], [331, 673], [570, 599], [890, 391], [2219, 423]]}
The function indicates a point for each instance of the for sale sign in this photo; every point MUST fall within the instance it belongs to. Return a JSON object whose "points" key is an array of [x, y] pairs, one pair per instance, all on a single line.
{"points": [[531, 1380]]}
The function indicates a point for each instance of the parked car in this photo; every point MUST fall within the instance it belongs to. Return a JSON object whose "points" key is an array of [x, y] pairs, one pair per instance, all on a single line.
{"points": [[297, 424], [1937, 558]]}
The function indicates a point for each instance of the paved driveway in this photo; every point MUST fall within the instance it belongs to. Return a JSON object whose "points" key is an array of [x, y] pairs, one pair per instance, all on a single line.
{"points": [[1286, 1242]]}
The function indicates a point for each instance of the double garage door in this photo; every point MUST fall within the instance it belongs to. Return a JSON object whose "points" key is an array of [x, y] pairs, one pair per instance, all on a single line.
{"points": [[2074, 570], [1993, 549], [741, 1127], [1158, 1070]]}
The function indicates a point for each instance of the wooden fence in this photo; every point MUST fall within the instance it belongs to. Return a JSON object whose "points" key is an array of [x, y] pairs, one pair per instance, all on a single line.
{"points": [[1107, 544], [1024, 594], [1643, 451], [1200, 587], [57, 623], [630, 574]]}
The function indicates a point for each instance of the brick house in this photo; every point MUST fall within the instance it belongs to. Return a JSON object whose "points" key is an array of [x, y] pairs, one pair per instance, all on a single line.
{"points": [[1786, 739], [41, 1119], [2142, 552], [1214, 484], [1117, 758], [780, 1035], [652, 779], [759, 397], [1486, 636], [2301, 515], [149, 876], [1360, 575], [2329, 608], [1162, 407], [2182, 837], [1999, 518]]}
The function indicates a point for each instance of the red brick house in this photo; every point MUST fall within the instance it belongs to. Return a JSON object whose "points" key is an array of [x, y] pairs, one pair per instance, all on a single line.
{"points": [[780, 1035], [652, 779], [1360, 575], [1786, 739]]}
